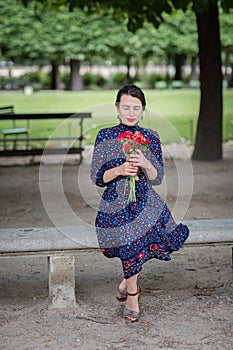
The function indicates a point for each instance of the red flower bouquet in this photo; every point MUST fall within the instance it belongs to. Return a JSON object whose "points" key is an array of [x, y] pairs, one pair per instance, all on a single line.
{"points": [[130, 143]]}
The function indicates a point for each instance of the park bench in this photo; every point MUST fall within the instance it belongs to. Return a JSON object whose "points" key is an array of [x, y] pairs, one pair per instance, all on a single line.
{"points": [[60, 244], [32, 151], [15, 130]]}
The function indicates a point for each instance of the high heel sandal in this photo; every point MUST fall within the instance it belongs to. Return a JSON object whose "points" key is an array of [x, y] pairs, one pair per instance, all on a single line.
{"points": [[121, 295], [131, 315]]}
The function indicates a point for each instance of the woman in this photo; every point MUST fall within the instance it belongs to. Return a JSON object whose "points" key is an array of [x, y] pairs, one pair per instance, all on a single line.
{"points": [[133, 223]]}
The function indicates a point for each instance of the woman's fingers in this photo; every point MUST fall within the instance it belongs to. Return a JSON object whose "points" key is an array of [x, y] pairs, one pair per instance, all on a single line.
{"points": [[132, 169], [129, 169], [137, 160]]}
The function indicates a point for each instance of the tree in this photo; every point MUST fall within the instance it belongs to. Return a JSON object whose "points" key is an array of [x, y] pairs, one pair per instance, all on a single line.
{"points": [[226, 26], [208, 145], [31, 37], [134, 49], [178, 37], [45, 36], [87, 40]]}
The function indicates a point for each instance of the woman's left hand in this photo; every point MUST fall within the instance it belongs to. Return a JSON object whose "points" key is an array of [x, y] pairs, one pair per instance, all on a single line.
{"points": [[140, 160]]}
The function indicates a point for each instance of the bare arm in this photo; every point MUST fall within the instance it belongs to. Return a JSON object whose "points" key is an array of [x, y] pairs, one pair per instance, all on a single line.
{"points": [[126, 169]]}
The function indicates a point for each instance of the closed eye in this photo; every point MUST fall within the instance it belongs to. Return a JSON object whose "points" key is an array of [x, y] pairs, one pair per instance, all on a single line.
{"points": [[135, 108]]}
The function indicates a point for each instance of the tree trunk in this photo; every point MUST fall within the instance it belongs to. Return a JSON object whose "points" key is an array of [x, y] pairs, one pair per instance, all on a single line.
{"points": [[55, 77], [76, 83], [193, 74], [179, 62], [208, 144], [230, 81], [226, 63], [127, 80], [168, 61]]}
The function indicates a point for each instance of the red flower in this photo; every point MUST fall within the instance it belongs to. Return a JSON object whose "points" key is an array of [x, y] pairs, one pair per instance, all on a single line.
{"points": [[130, 143], [125, 135], [126, 147], [139, 138]]}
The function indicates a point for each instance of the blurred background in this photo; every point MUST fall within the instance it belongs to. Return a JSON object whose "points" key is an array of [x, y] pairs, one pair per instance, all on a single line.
{"points": [[68, 56]]}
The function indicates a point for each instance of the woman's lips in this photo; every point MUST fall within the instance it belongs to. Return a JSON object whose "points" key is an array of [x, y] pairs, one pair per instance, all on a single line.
{"points": [[130, 120]]}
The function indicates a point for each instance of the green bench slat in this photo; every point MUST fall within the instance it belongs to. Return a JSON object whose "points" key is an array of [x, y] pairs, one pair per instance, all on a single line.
{"points": [[14, 131]]}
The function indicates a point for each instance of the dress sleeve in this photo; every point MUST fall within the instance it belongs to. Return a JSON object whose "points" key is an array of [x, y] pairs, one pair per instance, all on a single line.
{"points": [[98, 165], [156, 157]]}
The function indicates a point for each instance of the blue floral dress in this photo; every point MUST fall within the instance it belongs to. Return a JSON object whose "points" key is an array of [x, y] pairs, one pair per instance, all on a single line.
{"points": [[137, 231]]}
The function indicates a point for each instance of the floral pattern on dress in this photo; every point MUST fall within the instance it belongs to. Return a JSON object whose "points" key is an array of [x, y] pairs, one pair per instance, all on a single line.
{"points": [[137, 231]]}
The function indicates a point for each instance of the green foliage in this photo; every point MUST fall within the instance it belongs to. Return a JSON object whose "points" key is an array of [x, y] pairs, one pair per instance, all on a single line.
{"points": [[161, 85], [136, 13], [226, 25], [154, 78], [118, 79], [8, 83], [37, 79], [65, 80], [87, 79], [46, 31], [90, 80]]}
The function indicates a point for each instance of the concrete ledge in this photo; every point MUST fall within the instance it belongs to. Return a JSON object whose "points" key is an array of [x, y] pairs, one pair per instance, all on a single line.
{"points": [[70, 238], [214, 231], [60, 244], [47, 239]]}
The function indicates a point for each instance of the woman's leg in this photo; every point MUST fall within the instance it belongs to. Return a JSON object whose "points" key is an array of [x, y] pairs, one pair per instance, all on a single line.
{"points": [[132, 288], [123, 285]]}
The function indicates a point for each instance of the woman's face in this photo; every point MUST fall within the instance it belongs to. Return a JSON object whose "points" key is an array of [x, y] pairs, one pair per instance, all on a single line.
{"points": [[130, 110]]}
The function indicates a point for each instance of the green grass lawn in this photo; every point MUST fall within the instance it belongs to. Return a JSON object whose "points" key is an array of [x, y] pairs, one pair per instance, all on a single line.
{"points": [[173, 113]]}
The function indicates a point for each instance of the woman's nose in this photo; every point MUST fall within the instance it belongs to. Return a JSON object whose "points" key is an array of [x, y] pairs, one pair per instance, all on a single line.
{"points": [[131, 111]]}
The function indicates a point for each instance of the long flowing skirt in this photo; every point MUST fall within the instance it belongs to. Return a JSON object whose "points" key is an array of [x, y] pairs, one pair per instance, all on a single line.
{"points": [[137, 231]]}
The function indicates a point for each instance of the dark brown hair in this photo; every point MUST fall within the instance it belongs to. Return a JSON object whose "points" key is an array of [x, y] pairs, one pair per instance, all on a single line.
{"points": [[131, 90]]}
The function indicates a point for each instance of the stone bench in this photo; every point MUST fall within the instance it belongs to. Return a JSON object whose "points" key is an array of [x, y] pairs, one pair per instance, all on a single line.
{"points": [[60, 244]]}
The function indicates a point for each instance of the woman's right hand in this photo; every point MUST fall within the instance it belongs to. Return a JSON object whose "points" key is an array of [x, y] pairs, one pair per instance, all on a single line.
{"points": [[125, 169], [128, 169]]}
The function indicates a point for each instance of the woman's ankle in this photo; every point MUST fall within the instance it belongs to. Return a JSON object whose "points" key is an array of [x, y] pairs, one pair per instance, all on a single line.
{"points": [[123, 285], [132, 303]]}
